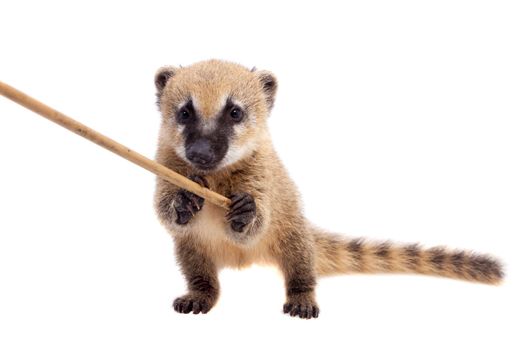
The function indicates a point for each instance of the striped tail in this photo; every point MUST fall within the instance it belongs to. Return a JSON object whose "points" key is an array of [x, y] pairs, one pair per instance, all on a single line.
{"points": [[337, 255]]}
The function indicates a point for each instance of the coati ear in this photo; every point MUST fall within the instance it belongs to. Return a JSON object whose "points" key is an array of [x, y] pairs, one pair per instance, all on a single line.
{"points": [[269, 85], [162, 76]]}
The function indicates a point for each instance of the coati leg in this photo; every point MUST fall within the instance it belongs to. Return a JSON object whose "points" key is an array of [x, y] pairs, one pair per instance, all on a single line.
{"points": [[297, 265], [201, 276], [177, 207]]}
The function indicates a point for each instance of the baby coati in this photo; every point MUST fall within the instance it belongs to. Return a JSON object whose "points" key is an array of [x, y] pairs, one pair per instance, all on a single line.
{"points": [[214, 131]]}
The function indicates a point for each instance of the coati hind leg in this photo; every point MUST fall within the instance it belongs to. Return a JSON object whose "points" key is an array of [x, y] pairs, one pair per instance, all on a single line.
{"points": [[297, 265], [201, 277]]}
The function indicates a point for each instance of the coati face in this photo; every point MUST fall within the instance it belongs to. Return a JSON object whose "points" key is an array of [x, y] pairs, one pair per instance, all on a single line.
{"points": [[214, 112]]}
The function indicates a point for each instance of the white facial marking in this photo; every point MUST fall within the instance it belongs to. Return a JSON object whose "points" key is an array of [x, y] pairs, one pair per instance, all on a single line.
{"points": [[181, 152], [236, 153], [222, 101], [195, 102], [181, 104]]}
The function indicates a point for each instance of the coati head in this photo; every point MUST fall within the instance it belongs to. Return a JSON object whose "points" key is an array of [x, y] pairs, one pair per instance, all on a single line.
{"points": [[213, 112]]}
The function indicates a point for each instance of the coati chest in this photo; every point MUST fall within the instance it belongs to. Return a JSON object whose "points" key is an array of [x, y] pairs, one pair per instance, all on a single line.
{"points": [[210, 229]]}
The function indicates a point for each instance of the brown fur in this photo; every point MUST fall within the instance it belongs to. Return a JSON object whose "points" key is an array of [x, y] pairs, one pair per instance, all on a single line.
{"points": [[279, 234]]}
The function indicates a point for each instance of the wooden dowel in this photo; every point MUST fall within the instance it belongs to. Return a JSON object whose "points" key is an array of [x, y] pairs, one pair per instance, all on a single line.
{"points": [[111, 145]]}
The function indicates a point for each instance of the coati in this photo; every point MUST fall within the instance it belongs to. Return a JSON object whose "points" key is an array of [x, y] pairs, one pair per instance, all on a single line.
{"points": [[214, 131]]}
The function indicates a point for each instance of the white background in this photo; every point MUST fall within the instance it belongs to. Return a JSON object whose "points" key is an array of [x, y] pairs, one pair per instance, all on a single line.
{"points": [[397, 119]]}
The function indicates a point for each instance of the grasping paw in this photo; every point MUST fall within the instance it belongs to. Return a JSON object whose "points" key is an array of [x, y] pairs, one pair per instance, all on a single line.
{"points": [[242, 211], [192, 302], [188, 204]]}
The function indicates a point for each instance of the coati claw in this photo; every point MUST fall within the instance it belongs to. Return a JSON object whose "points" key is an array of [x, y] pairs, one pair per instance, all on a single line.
{"points": [[190, 208], [196, 203], [187, 204], [242, 211]]}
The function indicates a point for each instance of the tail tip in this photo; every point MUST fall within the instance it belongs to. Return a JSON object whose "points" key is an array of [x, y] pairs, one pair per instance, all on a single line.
{"points": [[487, 269]]}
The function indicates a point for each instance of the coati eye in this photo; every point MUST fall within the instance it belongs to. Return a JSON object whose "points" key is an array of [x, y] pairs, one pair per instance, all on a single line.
{"points": [[236, 114], [184, 115]]}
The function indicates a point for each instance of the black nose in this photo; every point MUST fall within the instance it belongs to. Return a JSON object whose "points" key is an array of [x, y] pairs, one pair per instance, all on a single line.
{"points": [[200, 152]]}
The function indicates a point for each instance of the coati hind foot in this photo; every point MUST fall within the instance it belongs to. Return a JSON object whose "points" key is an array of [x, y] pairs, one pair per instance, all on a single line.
{"points": [[194, 302], [300, 282], [302, 305]]}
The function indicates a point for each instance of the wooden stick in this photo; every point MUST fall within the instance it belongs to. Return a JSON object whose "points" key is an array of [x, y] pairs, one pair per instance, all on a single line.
{"points": [[111, 145]]}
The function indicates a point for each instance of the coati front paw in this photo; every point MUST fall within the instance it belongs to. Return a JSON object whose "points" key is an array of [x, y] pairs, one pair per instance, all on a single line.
{"points": [[303, 306], [193, 302], [187, 204], [242, 211]]}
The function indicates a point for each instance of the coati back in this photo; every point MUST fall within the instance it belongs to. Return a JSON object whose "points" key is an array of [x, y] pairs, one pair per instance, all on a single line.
{"points": [[214, 131]]}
